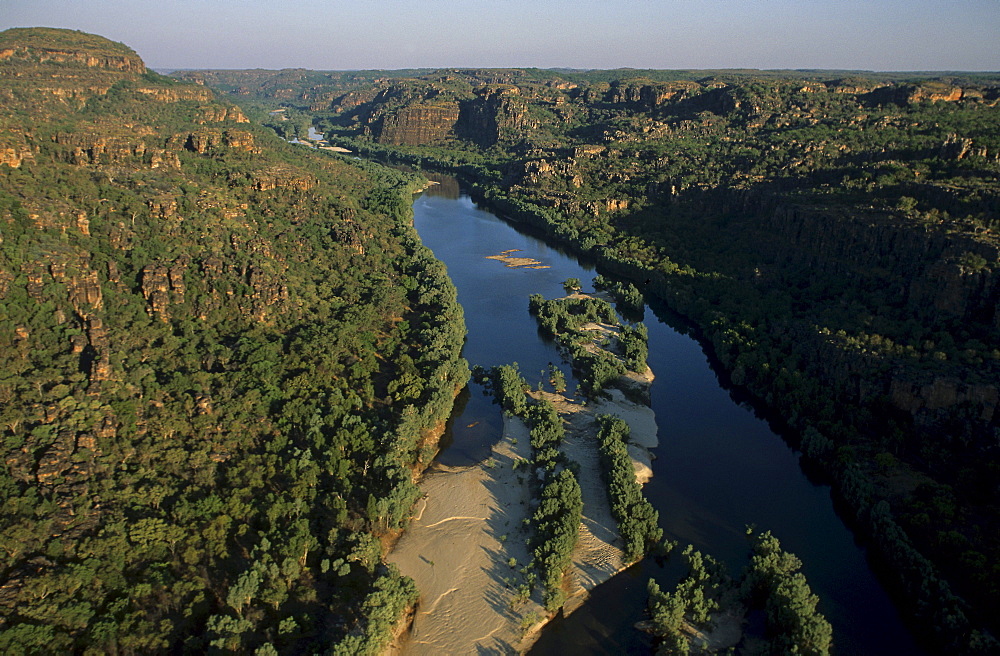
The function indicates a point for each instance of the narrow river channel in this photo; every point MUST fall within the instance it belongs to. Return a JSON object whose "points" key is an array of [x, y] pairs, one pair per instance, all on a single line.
{"points": [[719, 466]]}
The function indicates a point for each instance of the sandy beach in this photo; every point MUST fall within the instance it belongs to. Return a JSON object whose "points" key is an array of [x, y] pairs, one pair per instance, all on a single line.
{"points": [[458, 549], [470, 524], [466, 544]]}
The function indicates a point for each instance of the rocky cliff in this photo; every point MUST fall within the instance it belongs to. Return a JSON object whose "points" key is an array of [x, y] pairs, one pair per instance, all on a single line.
{"points": [[26, 46], [496, 112], [416, 125], [927, 269]]}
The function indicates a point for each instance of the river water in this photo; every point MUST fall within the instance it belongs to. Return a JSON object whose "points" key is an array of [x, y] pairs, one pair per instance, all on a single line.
{"points": [[719, 466]]}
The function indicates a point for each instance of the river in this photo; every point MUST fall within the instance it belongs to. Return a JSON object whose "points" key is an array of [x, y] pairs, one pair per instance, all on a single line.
{"points": [[719, 466]]}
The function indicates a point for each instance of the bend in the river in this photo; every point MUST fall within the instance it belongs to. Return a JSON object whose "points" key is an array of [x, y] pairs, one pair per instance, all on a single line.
{"points": [[719, 467]]}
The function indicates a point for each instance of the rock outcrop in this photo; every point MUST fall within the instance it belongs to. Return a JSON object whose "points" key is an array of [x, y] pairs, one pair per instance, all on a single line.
{"points": [[417, 124], [220, 114], [125, 63], [907, 94], [204, 141], [176, 94], [496, 110]]}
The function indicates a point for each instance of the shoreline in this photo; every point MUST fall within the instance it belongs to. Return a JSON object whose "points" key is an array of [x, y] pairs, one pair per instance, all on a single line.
{"points": [[470, 526], [465, 530]]}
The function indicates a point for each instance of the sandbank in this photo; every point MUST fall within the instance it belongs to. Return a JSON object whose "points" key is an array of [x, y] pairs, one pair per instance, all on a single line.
{"points": [[470, 523], [466, 543], [458, 547]]}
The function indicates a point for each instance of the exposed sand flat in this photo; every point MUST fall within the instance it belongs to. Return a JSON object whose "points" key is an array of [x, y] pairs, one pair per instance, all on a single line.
{"points": [[517, 262], [641, 420], [598, 555], [470, 523], [458, 547]]}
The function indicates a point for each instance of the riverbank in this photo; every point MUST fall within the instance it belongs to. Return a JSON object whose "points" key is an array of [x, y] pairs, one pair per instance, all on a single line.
{"points": [[718, 469], [598, 554], [466, 543], [861, 488], [458, 549]]}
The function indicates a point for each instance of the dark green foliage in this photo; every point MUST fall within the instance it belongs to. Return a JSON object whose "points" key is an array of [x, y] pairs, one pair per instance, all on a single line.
{"points": [[222, 358], [830, 235], [627, 296], [557, 525], [508, 388], [773, 581], [634, 342], [557, 378], [936, 604], [390, 594], [547, 433], [692, 601], [636, 517], [599, 367], [568, 315], [770, 582], [666, 611], [556, 522]]}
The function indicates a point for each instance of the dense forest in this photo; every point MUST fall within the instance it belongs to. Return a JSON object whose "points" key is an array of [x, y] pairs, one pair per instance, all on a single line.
{"points": [[225, 358], [831, 235], [706, 598]]}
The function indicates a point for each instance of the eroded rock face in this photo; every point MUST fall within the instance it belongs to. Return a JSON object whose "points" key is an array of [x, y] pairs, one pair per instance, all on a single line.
{"points": [[958, 148], [209, 139], [268, 292], [218, 114], [164, 160], [350, 233], [98, 149], [495, 110], [419, 124], [924, 269], [164, 208], [924, 399], [124, 63], [162, 286], [353, 99], [156, 289], [13, 157], [906, 94], [649, 97], [176, 94], [85, 293], [277, 177]]}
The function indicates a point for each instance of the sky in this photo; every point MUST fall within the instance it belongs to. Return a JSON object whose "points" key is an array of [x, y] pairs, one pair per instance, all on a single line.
{"points": [[881, 35]]}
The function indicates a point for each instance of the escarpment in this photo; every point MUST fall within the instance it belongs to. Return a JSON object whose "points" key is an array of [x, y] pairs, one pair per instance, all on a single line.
{"points": [[26, 46], [926, 270], [832, 237], [416, 125]]}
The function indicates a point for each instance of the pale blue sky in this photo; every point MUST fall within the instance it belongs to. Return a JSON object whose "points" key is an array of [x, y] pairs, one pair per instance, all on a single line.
{"points": [[390, 34]]}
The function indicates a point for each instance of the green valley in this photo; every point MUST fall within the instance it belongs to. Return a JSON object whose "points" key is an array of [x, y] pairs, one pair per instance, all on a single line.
{"points": [[227, 358], [831, 235]]}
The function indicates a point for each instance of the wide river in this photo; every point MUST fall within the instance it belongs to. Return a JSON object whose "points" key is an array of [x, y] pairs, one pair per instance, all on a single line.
{"points": [[719, 466]]}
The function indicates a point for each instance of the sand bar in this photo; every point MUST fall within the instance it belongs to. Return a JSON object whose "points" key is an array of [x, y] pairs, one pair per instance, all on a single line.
{"points": [[458, 549], [470, 524]]}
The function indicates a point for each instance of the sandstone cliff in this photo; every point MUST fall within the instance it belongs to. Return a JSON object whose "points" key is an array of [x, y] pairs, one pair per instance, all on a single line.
{"points": [[416, 124], [39, 45]]}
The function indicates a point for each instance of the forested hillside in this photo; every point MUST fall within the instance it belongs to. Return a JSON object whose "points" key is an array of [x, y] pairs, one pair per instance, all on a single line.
{"points": [[831, 235], [224, 357]]}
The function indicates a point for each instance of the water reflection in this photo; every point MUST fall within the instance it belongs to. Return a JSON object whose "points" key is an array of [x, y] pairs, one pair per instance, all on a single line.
{"points": [[719, 466], [444, 186]]}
